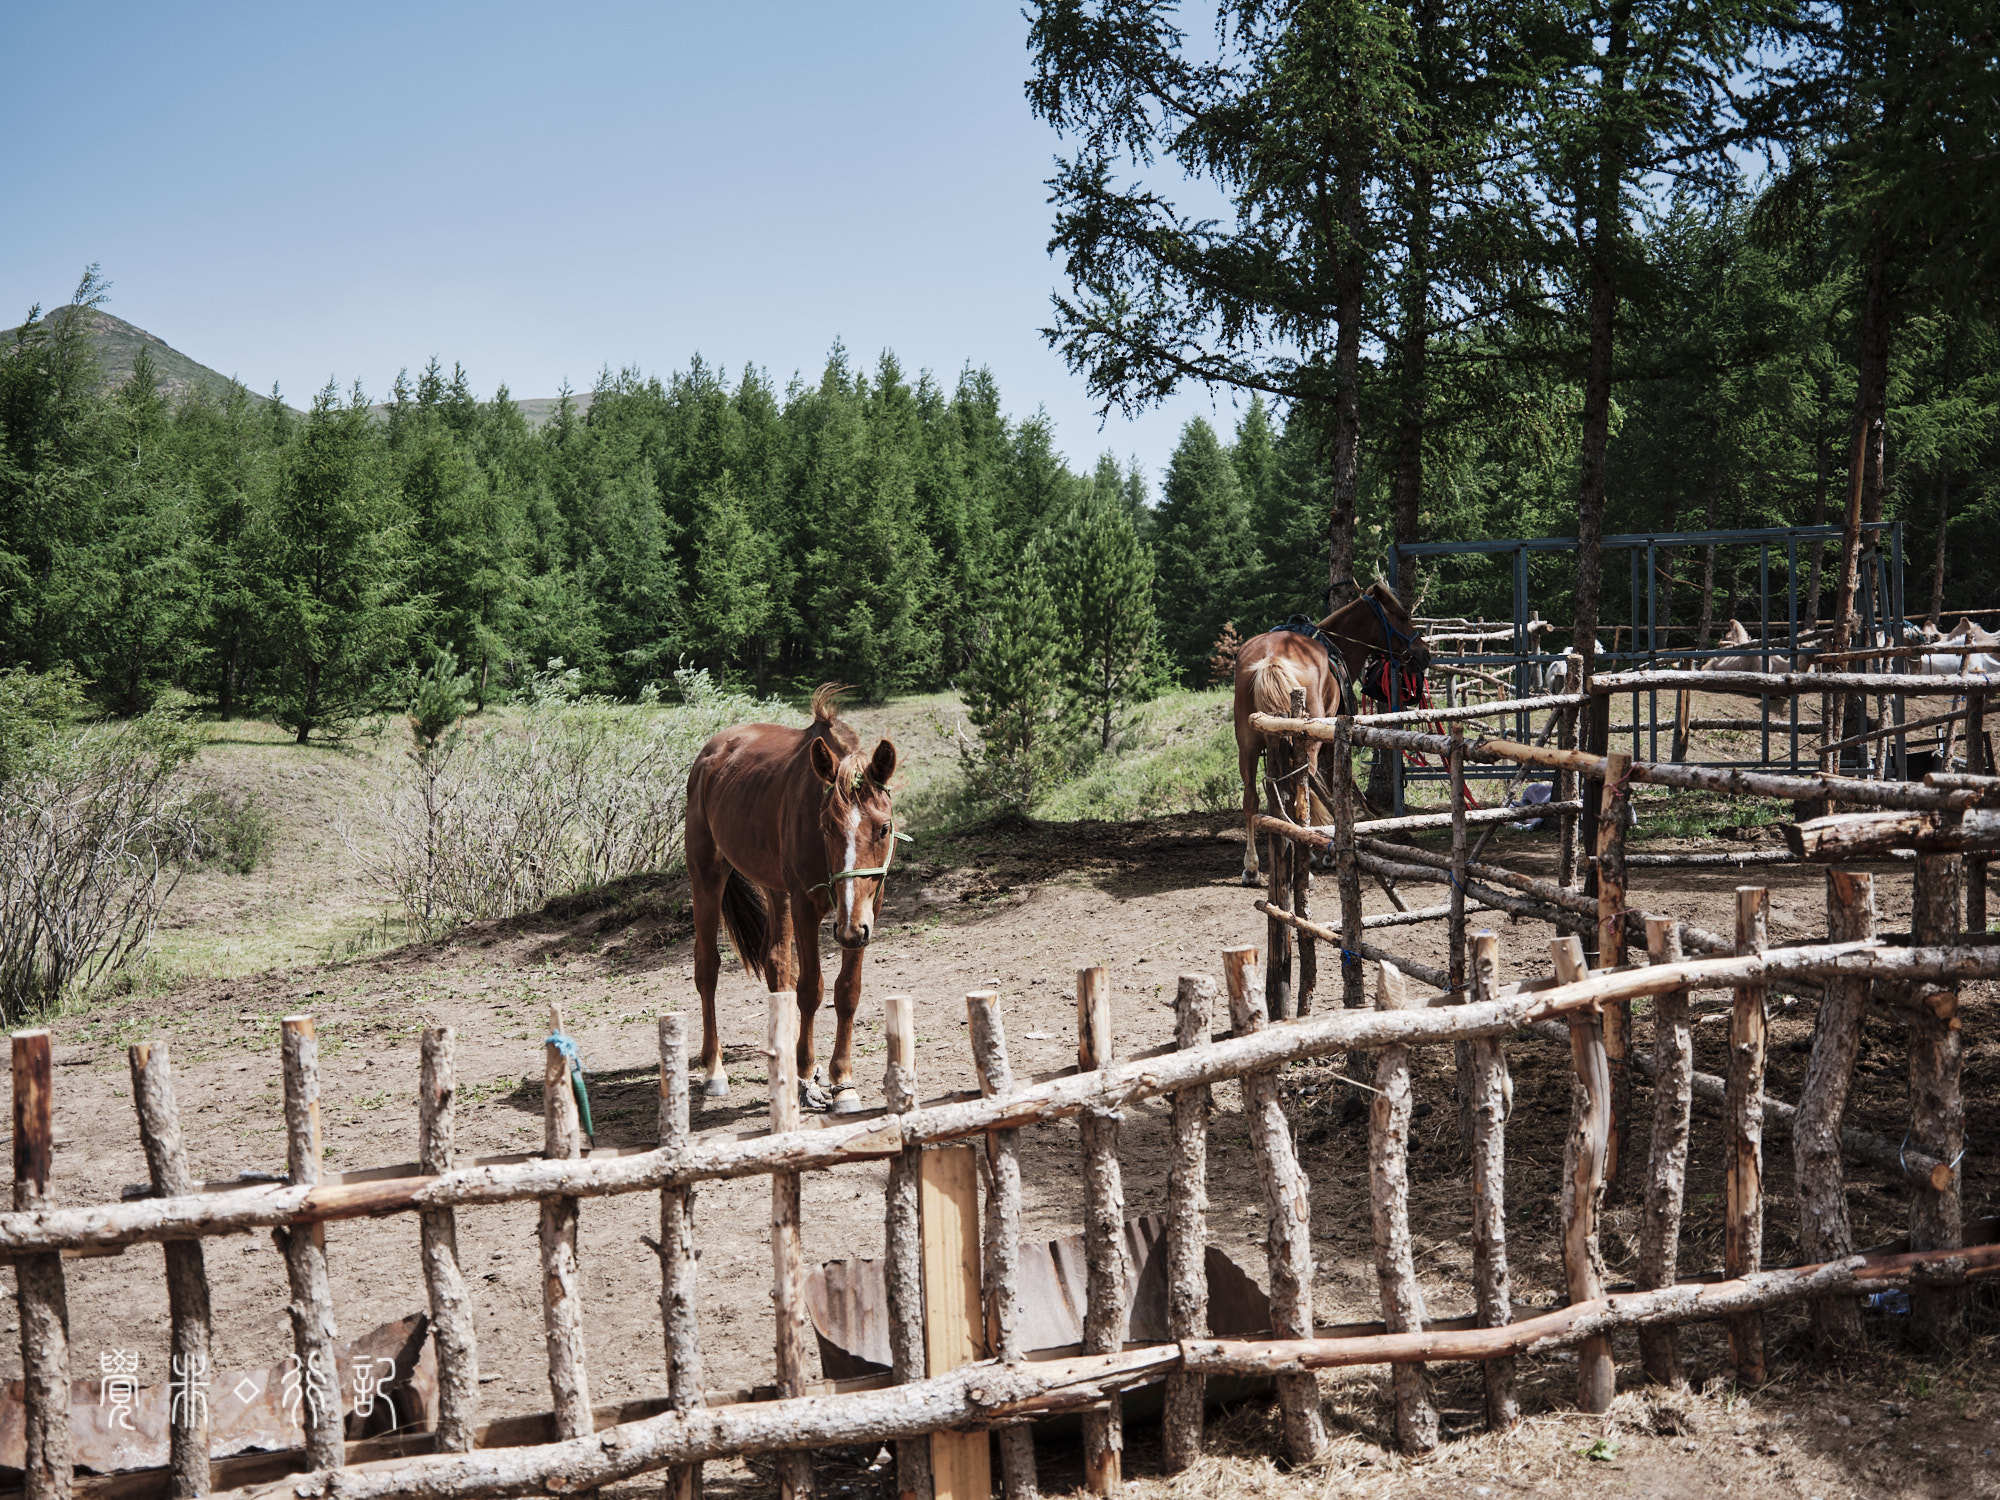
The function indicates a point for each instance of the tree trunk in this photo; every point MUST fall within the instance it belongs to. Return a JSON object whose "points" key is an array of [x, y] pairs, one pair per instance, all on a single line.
{"points": [[1413, 349], [1344, 468], [1937, 562]]}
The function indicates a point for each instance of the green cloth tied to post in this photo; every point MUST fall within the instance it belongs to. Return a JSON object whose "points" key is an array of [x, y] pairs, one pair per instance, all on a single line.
{"points": [[567, 1047]]}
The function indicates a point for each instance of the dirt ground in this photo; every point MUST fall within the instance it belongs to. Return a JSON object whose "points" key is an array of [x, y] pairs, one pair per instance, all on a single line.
{"points": [[1020, 908]]}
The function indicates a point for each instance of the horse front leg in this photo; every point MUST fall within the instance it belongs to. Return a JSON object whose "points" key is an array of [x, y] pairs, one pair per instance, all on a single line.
{"points": [[706, 893], [810, 987], [846, 1000]]}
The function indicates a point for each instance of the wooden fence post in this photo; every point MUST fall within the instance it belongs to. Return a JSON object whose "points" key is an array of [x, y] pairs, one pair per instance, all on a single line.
{"points": [[1583, 1179], [1347, 868], [1666, 1163], [1565, 788], [1979, 761], [961, 1462], [1281, 762], [1492, 1096], [444, 1279], [1937, 1109], [1743, 1185], [902, 1236], [788, 1256], [1288, 1245], [1104, 1317], [187, 1274], [679, 1320], [1003, 1232], [562, 1273], [1824, 1230], [1187, 1230], [39, 1288], [1614, 798], [1307, 982], [321, 1409], [1455, 937], [1389, 1213]]}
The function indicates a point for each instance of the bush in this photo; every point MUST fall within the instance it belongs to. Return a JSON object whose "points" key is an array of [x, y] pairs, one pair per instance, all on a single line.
{"points": [[572, 793], [96, 826], [231, 829]]}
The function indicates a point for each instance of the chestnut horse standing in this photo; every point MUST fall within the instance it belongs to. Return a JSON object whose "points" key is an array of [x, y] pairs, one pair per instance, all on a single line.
{"points": [[1270, 666], [784, 826]]}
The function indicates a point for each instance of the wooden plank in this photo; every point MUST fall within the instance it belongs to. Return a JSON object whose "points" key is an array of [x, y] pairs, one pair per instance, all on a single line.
{"points": [[452, 1331], [313, 1330], [562, 1275], [1743, 1182], [188, 1366], [902, 1236], [1583, 1179], [961, 1462], [40, 1291]]}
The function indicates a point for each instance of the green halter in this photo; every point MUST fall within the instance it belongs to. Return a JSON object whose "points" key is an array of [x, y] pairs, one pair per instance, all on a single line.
{"points": [[881, 869]]}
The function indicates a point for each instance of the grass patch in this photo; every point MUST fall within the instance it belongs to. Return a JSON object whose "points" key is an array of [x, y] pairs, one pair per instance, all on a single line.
{"points": [[1706, 815], [1178, 755]]}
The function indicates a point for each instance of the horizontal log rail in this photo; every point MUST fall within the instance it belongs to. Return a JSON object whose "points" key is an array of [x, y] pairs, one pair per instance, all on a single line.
{"points": [[987, 1393], [1468, 711], [1127, 1081], [1796, 684], [1844, 836], [1901, 796]]}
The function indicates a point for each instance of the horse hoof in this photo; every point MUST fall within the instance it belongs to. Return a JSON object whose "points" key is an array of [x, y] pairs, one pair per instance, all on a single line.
{"points": [[715, 1088], [846, 1101], [1252, 879]]}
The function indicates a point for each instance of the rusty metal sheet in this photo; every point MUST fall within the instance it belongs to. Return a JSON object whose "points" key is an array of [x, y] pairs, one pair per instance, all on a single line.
{"points": [[849, 1301], [388, 1379]]}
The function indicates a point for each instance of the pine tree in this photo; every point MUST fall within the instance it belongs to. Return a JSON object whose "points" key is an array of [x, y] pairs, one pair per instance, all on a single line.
{"points": [[333, 574], [1102, 578], [1016, 696], [1202, 549], [733, 601]]}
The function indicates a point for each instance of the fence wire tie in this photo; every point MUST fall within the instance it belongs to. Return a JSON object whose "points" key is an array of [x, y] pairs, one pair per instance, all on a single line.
{"points": [[566, 1045], [1902, 1160]]}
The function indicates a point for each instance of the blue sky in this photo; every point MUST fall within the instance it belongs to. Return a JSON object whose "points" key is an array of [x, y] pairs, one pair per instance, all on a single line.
{"points": [[291, 193]]}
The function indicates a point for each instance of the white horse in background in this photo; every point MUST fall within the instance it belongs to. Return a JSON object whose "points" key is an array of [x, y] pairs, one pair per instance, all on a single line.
{"points": [[1968, 649], [1555, 674]]}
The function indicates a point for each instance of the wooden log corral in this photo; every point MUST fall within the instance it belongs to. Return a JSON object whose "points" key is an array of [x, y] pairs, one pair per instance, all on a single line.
{"points": [[1002, 1231], [1583, 1178], [1187, 1230], [40, 1291], [1103, 1233], [450, 1299], [1389, 1213], [1937, 1108], [304, 1246], [1824, 1229], [679, 1320], [1743, 1182], [1288, 1216], [902, 1237], [1667, 1155]]}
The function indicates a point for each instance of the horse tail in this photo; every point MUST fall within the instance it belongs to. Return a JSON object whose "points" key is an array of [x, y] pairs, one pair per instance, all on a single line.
{"points": [[1272, 683], [826, 701], [749, 922]]}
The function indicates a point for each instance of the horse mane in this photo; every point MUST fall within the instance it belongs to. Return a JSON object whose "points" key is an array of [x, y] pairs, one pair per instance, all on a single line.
{"points": [[849, 766], [1381, 590]]}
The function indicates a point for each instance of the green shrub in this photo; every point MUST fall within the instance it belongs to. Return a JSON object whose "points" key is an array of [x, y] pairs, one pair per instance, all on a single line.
{"points": [[231, 829]]}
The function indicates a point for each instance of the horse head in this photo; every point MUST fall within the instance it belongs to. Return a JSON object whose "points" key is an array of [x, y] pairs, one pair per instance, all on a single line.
{"points": [[1380, 623], [857, 823]]}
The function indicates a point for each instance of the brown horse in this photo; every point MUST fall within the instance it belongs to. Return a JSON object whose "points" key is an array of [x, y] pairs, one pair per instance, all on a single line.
{"points": [[1269, 667], [783, 827]]}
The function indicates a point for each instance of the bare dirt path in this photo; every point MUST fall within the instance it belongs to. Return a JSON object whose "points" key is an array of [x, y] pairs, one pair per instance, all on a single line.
{"points": [[1021, 907]]}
